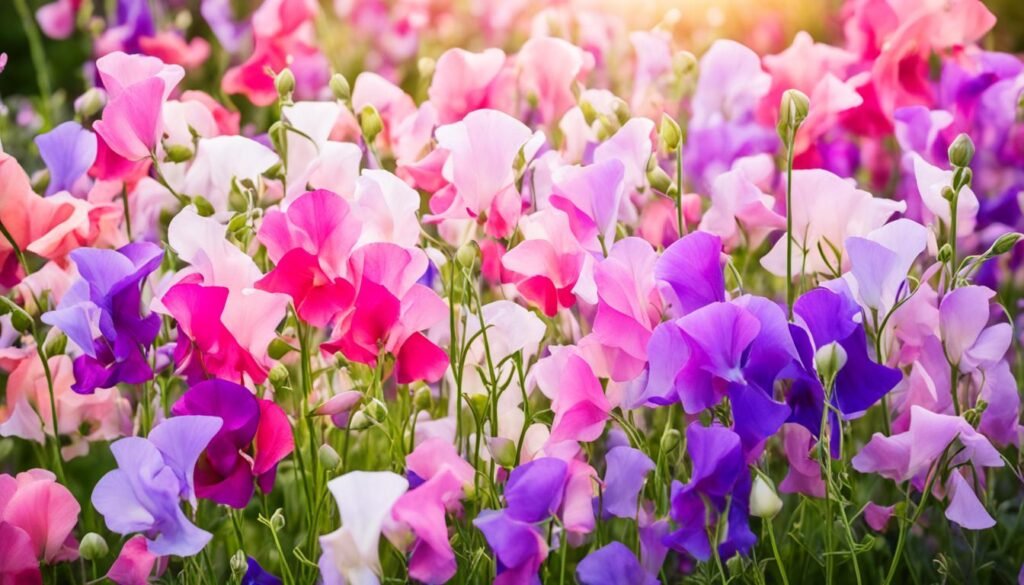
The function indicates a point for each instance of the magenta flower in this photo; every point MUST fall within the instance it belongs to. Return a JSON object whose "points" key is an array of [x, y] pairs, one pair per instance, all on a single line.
{"points": [[254, 438]]}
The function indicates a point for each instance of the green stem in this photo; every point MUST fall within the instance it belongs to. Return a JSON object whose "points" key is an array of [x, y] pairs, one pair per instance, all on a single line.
{"points": [[775, 551], [42, 71], [789, 223], [58, 462], [127, 213], [679, 190], [905, 525]]}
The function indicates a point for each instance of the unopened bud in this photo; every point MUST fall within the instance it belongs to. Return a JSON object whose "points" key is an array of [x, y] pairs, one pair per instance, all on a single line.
{"points": [[370, 123], [829, 359], [20, 320], [376, 410], [478, 402], [177, 153], [764, 502], [1005, 243], [91, 102], [961, 151], [621, 110], [277, 521], [277, 349], [340, 88], [359, 421], [669, 133], [203, 206], [671, 439], [466, 255], [588, 111], [422, 398], [792, 112], [284, 83], [503, 450], [328, 457], [947, 193], [57, 345], [93, 547], [684, 63], [239, 564], [278, 375], [945, 253], [661, 182]]}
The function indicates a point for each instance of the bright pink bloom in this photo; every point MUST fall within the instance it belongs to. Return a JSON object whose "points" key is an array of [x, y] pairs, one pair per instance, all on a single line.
{"points": [[171, 47], [390, 312], [18, 565], [36, 505], [310, 243], [741, 213], [548, 67], [422, 511], [134, 564], [547, 265], [590, 196], [577, 399], [464, 82]]}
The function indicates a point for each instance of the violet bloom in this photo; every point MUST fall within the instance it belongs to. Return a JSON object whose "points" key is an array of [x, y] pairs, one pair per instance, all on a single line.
{"points": [[68, 151], [254, 438], [612, 564], [623, 480], [153, 475], [256, 575], [534, 493], [720, 483], [107, 299]]}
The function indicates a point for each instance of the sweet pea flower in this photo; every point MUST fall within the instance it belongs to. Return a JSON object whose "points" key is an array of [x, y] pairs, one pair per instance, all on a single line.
{"points": [[968, 343], [632, 146], [310, 244], [214, 302], [689, 273], [68, 151], [509, 328], [826, 211], [464, 82], [57, 19], [102, 415], [220, 161], [37, 516], [227, 470], [930, 182], [134, 563], [153, 474], [741, 213], [256, 575], [549, 267], [577, 399], [389, 313], [107, 299], [547, 68], [613, 564], [365, 500], [623, 480], [482, 151], [137, 86], [880, 261], [804, 476], [719, 475], [422, 511]]}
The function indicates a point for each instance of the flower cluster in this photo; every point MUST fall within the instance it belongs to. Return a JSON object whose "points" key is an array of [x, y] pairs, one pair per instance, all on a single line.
{"points": [[583, 307]]}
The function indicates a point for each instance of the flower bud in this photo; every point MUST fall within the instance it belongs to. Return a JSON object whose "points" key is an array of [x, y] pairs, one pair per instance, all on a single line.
{"points": [[503, 450], [203, 206], [621, 110], [661, 182], [20, 320], [829, 359], [57, 345], [93, 547], [764, 502], [328, 457], [684, 63], [792, 112], [278, 375], [961, 151], [669, 133], [1005, 243], [945, 253], [478, 402], [376, 410], [91, 102], [239, 564], [671, 439], [277, 521], [422, 398], [947, 193], [177, 153], [466, 255], [284, 83], [340, 88], [278, 348], [359, 421], [370, 123], [588, 111]]}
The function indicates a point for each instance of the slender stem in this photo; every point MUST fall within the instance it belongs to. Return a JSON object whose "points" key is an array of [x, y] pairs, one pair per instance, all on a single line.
{"points": [[904, 524], [775, 551], [127, 212], [954, 378], [789, 223], [14, 246], [35, 45], [679, 190], [58, 462]]}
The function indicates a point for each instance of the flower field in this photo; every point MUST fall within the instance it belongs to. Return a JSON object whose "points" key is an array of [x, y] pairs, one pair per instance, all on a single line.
{"points": [[511, 291]]}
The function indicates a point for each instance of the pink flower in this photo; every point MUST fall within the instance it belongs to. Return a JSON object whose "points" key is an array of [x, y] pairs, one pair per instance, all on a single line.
{"points": [[171, 47], [390, 312], [963, 319], [741, 213], [464, 82], [577, 399], [310, 243], [36, 505], [590, 196], [548, 67], [134, 564], [548, 264], [137, 87], [57, 19]]}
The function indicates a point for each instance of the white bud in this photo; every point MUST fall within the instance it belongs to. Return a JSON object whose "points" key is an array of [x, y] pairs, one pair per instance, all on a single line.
{"points": [[829, 359], [764, 502]]}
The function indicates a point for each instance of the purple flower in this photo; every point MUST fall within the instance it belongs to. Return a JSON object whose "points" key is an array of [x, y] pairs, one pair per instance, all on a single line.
{"points": [[623, 480], [107, 299], [255, 575], [534, 490], [153, 475], [254, 438], [692, 269], [720, 484], [519, 546], [68, 151], [612, 564]]}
